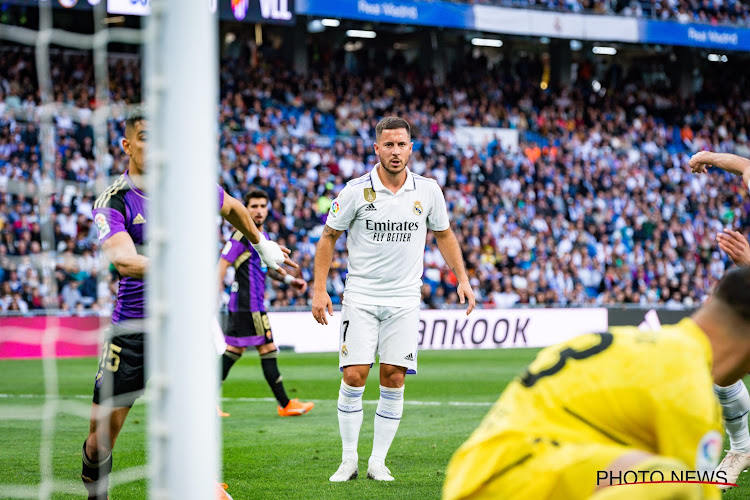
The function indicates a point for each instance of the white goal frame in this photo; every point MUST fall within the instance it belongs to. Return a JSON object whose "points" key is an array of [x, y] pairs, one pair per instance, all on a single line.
{"points": [[181, 75]]}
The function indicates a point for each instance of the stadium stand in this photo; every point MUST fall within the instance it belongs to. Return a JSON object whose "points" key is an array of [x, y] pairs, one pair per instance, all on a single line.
{"points": [[596, 206], [685, 11]]}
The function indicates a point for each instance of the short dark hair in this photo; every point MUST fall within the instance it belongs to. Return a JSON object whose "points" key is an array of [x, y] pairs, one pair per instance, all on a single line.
{"points": [[135, 115], [734, 291], [391, 123], [255, 193]]}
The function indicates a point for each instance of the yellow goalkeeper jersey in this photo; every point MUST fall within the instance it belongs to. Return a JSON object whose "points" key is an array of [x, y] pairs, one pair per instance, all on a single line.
{"points": [[613, 392]]}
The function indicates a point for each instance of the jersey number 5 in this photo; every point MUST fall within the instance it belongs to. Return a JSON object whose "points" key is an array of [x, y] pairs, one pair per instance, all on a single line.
{"points": [[529, 378]]}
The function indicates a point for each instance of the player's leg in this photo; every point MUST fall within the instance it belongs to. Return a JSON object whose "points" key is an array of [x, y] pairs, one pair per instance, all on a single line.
{"points": [[104, 427], [398, 353], [287, 407], [229, 358], [240, 333], [357, 345], [735, 405], [231, 355], [120, 380], [350, 416], [387, 418]]}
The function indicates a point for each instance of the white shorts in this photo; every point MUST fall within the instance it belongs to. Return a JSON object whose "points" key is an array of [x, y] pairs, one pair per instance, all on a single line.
{"points": [[388, 330]]}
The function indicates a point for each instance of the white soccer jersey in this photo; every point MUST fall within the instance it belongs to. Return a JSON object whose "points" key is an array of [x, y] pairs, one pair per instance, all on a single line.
{"points": [[386, 237]]}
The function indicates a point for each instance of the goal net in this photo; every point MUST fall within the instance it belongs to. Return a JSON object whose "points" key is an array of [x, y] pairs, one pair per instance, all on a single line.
{"points": [[71, 135]]}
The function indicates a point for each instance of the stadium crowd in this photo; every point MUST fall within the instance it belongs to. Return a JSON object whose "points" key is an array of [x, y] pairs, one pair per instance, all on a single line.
{"points": [[595, 206], [732, 12]]}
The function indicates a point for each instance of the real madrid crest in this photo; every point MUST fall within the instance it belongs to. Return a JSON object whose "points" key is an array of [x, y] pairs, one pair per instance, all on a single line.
{"points": [[344, 351], [417, 209], [369, 195]]}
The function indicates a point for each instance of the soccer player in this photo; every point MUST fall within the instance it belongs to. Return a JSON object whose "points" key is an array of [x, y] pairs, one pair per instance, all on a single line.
{"points": [[387, 213], [121, 215], [617, 401], [734, 398], [248, 321]]}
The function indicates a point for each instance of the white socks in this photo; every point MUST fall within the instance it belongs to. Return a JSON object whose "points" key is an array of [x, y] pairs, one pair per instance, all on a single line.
{"points": [[735, 404], [387, 418], [350, 419]]}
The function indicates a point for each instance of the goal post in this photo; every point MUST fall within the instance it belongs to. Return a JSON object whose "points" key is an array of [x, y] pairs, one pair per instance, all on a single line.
{"points": [[181, 55]]}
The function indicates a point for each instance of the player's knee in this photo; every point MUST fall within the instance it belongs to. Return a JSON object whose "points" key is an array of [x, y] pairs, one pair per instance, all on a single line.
{"points": [[395, 380], [265, 348], [392, 376], [236, 350], [354, 378], [92, 446], [97, 446]]}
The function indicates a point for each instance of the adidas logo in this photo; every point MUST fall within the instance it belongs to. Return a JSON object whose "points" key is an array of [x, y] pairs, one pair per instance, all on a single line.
{"points": [[139, 219], [370, 208], [409, 357]]}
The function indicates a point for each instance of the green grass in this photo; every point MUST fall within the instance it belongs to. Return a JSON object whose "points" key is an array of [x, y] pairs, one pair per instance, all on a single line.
{"points": [[265, 456]]}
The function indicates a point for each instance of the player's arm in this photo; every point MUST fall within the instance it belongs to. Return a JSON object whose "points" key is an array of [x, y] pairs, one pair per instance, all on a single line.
{"points": [[237, 215], [737, 165], [323, 257], [270, 253], [451, 252], [116, 243], [121, 252], [298, 284]]}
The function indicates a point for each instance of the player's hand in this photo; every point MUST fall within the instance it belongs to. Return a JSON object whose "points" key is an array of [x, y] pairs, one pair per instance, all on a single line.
{"points": [[466, 293], [735, 245], [699, 163], [287, 259], [320, 303], [299, 285], [274, 255]]}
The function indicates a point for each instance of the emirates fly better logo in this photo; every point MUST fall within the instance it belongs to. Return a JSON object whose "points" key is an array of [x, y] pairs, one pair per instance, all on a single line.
{"points": [[391, 231]]}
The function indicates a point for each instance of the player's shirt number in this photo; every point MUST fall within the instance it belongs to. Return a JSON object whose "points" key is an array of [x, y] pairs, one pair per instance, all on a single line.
{"points": [[345, 326], [601, 342], [110, 357]]}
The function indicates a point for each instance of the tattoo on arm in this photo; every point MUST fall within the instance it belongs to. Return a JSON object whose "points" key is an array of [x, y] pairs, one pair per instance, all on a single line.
{"points": [[329, 232]]}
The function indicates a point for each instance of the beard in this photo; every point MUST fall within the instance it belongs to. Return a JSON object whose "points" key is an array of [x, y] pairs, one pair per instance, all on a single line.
{"points": [[393, 170]]}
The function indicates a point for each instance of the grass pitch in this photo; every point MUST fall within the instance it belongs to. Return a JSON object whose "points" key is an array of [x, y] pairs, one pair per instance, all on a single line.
{"points": [[266, 456]]}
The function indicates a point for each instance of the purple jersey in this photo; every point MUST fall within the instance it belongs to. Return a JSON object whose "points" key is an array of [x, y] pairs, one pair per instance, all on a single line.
{"points": [[249, 285], [123, 208], [221, 196]]}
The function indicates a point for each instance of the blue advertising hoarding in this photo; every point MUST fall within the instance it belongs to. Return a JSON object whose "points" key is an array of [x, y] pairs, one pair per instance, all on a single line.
{"points": [[695, 35], [440, 14]]}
